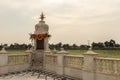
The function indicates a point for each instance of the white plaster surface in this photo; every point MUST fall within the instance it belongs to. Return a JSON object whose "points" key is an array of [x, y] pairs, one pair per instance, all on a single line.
{"points": [[73, 72], [3, 59], [41, 27]]}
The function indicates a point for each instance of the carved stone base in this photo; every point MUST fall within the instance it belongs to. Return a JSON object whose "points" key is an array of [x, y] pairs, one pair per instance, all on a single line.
{"points": [[37, 58]]}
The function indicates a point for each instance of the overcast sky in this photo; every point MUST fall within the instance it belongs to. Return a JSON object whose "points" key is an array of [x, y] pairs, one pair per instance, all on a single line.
{"points": [[70, 21]]}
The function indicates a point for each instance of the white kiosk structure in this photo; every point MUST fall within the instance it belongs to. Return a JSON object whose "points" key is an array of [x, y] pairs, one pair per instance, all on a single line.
{"points": [[41, 42], [40, 38]]}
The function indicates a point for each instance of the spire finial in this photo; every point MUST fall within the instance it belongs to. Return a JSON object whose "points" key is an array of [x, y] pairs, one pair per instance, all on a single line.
{"points": [[42, 16]]}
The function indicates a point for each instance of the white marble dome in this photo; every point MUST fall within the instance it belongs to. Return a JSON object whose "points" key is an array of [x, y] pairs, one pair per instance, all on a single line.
{"points": [[41, 27]]}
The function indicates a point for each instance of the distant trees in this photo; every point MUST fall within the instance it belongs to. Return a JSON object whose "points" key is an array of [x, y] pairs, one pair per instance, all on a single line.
{"points": [[111, 44], [67, 46], [57, 46], [97, 45], [16, 46], [106, 45]]}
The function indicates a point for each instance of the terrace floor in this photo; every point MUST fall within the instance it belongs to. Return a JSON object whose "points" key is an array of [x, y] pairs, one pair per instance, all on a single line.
{"points": [[24, 76]]}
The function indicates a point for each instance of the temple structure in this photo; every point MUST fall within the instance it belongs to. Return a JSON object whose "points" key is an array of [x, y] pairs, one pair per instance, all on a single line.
{"points": [[40, 38], [41, 29]]}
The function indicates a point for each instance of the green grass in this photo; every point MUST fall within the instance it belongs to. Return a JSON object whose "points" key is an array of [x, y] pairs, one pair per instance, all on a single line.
{"points": [[102, 53], [16, 51], [76, 52], [108, 53]]}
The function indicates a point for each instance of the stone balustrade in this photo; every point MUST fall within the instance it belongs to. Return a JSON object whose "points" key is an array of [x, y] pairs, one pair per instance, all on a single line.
{"points": [[85, 67], [107, 65], [17, 59], [13, 62], [51, 59], [73, 61]]}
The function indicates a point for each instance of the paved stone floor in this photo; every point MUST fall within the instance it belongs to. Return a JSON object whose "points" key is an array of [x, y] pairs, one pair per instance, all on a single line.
{"points": [[23, 76]]}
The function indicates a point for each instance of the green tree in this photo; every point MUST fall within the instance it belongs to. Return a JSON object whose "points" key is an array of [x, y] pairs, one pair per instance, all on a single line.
{"points": [[112, 43], [107, 44], [66, 46]]}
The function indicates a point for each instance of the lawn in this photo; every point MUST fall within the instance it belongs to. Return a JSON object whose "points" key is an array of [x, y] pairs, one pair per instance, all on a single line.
{"points": [[16, 51], [102, 53]]}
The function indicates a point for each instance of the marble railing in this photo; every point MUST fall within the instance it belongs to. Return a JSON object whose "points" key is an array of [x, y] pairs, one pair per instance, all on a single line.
{"points": [[17, 59], [107, 65], [69, 60], [73, 61], [51, 59]]}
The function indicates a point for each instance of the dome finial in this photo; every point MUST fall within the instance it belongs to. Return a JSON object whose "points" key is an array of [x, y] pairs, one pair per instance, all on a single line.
{"points": [[42, 16]]}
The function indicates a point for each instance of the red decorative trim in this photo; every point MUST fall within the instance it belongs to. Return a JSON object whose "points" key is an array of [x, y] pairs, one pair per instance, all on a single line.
{"points": [[39, 36]]}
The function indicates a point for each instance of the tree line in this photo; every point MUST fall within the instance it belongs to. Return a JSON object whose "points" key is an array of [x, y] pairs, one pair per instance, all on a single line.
{"points": [[111, 44], [57, 46], [16, 46], [60, 45]]}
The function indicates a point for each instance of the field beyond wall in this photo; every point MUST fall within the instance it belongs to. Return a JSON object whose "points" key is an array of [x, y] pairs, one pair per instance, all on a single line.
{"points": [[102, 53]]}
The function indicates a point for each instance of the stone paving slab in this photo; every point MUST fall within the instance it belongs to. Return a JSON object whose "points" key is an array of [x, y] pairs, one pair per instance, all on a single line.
{"points": [[24, 77]]}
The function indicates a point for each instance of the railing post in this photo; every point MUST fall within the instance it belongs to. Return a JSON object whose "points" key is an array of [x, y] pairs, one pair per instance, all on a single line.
{"points": [[44, 58], [3, 61], [29, 53], [60, 61], [54, 51], [89, 65]]}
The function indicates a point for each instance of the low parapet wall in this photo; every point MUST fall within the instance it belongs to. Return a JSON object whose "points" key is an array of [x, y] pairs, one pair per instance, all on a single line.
{"points": [[15, 62], [69, 66], [13, 68], [86, 67]]}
